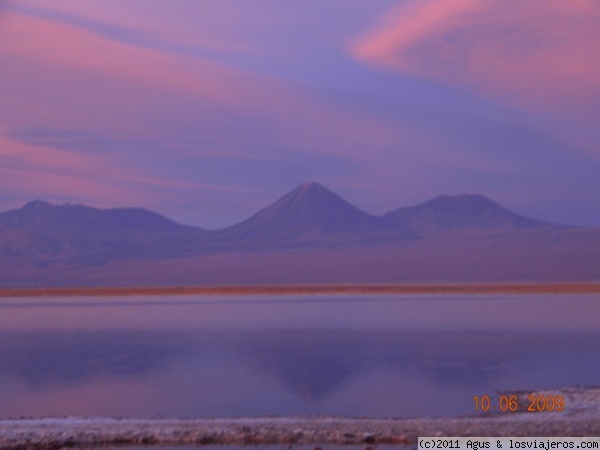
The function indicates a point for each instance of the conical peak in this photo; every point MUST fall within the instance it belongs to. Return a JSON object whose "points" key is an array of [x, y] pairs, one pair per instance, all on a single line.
{"points": [[311, 191], [310, 208], [307, 184], [310, 186]]}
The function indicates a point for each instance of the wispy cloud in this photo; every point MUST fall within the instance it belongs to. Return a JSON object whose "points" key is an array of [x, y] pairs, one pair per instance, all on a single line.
{"points": [[65, 74], [90, 117], [538, 54], [34, 171], [208, 111]]}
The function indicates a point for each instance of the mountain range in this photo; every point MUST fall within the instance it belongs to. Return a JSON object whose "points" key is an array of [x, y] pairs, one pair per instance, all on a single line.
{"points": [[287, 241]]}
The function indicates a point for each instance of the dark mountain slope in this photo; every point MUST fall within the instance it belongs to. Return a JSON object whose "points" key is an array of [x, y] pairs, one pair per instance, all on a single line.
{"points": [[309, 212], [43, 216], [44, 231], [464, 212], [310, 217]]}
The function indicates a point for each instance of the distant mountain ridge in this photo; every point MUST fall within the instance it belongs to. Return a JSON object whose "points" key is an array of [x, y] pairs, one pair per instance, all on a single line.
{"points": [[466, 211], [42, 230], [310, 211], [310, 216], [39, 215], [310, 235]]}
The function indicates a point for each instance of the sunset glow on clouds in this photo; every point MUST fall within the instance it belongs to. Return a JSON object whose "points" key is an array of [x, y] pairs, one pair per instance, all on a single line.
{"points": [[208, 111], [540, 53]]}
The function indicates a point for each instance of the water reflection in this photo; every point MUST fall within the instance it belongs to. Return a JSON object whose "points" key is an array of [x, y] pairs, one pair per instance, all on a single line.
{"points": [[273, 371], [42, 358]]}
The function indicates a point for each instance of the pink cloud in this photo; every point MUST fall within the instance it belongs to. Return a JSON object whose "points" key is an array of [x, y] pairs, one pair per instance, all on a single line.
{"points": [[96, 180], [57, 71], [67, 77], [54, 43], [538, 54], [210, 27], [63, 77], [35, 171]]}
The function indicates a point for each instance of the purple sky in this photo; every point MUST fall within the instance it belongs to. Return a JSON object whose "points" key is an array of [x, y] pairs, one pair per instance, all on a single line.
{"points": [[207, 111]]}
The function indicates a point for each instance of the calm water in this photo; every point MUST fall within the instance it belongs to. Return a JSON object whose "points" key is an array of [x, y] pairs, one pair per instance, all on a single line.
{"points": [[243, 356]]}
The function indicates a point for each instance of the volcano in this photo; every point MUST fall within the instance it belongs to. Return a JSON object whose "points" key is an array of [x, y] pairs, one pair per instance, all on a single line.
{"points": [[311, 211]]}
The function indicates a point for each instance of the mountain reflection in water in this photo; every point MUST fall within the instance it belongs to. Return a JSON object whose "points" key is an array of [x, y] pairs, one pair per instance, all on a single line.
{"points": [[298, 371]]}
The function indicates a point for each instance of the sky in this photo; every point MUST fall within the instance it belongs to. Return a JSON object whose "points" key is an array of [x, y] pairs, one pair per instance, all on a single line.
{"points": [[209, 110]]}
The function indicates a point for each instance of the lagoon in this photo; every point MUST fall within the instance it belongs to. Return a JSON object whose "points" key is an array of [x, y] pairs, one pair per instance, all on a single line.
{"points": [[311, 355]]}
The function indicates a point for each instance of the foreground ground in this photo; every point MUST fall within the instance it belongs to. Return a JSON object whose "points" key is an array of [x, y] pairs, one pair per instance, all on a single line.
{"points": [[581, 417]]}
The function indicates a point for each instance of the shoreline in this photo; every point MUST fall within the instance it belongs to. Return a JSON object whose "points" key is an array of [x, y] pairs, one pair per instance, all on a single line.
{"points": [[55, 433], [312, 289], [581, 417]]}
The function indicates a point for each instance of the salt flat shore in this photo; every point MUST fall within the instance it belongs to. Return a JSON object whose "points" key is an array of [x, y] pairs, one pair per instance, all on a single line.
{"points": [[373, 289], [581, 417]]}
